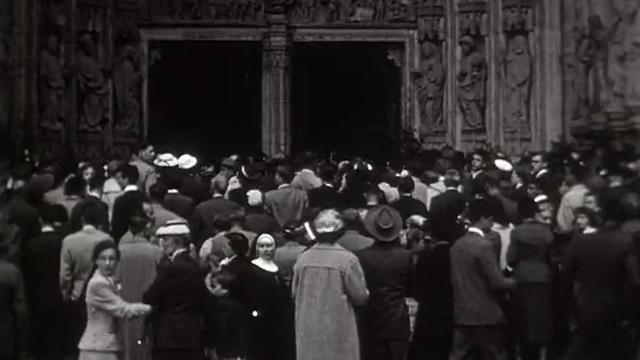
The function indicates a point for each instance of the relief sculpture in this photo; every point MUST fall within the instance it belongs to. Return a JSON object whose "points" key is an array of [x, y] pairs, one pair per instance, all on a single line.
{"points": [[93, 86], [51, 84], [127, 78], [517, 81], [431, 88], [472, 81]]}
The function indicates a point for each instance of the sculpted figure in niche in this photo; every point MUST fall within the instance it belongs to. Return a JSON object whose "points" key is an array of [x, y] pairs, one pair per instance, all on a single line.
{"points": [[431, 87], [51, 84], [126, 79], [93, 87], [472, 80], [517, 79], [632, 54]]}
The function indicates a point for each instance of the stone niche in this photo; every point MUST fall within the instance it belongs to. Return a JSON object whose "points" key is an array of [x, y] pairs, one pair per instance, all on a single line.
{"points": [[472, 72]]}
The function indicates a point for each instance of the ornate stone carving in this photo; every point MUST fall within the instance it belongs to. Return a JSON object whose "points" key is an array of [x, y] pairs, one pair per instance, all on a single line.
{"points": [[93, 86], [127, 79], [352, 11], [430, 85], [517, 84], [239, 10], [51, 84], [431, 20], [473, 17], [518, 15], [472, 82]]}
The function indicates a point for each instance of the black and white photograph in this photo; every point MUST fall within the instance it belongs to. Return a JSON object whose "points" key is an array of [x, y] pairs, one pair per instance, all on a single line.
{"points": [[319, 179]]}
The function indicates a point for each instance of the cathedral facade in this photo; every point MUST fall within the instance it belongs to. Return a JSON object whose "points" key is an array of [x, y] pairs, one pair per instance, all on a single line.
{"points": [[76, 75]]}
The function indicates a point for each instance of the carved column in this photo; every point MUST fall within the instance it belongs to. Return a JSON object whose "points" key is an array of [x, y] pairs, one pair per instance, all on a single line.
{"points": [[517, 69], [276, 129], [430, 80], [6, 17], [128, 125], [17, 69], [474, 99]]}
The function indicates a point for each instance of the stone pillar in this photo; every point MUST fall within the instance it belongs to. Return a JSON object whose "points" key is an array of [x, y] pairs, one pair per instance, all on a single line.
{"points": [[6, 15], [276, 127], [551, 122], [17, 69]]}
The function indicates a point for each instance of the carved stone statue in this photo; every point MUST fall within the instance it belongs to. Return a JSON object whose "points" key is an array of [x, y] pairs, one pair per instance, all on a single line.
{"points": [[472, 81], [126, 79], [51, 85], [517, 81], [431, 88], [93, 87], [631, 27]]}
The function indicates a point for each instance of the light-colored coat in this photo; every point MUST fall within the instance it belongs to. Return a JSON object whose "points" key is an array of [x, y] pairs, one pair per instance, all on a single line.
{"points": [[306, 180], [137, 270], [104, 308], [328, 281], [75, 260]]}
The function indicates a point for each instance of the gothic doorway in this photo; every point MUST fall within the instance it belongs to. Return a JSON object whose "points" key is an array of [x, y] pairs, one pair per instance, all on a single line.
{"points": [[205, 97], [346, 97]]}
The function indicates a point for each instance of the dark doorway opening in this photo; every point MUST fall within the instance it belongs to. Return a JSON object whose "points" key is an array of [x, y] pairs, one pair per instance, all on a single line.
{"points": [[205, 97], [346, 98]]}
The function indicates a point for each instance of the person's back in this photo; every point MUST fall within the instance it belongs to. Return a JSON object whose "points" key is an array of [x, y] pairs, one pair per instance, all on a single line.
{"points": [[75, 260], [13, 311], [286, 204], [598, 264]]}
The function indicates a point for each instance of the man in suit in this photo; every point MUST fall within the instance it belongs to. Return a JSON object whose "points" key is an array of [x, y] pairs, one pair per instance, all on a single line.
{"points": [[201, 221], [95, 186], [142, 159], [325, 196], [352, 239], [176, 297], [306, 179], [543, 176], [13, 305], [600, 267], [446, 208], [40, 264], [476, 278], [387, 269], [285, 203], [75, 271], [407, 205], [475, 184], [125, 204]]}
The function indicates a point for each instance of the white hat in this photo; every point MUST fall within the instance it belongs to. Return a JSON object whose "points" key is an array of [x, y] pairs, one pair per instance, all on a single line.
{"points": [[328, 221], [254, 197], [542, 198], [173, 227], [165, 160], [187, 161], [503, 165]]}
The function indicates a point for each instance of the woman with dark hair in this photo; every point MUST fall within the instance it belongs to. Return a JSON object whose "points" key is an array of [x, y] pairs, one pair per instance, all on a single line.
{"points": [[105, 306]]}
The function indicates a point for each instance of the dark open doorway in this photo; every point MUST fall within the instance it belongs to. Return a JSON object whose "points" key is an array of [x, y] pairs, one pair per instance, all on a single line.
{"points": [[346, 98], [205, 97]]}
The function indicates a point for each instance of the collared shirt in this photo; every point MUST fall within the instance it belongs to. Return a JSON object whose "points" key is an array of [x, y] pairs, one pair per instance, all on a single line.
{"points": [[475, 230], [474, 174], [541, 172], [179, 251], [283, 186], [131, 188], [172, 191], [47, 228], [88, 227], [309, 171]]}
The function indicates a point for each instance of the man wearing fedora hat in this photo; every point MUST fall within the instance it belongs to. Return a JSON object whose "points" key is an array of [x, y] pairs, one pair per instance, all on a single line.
{"points": [[476, 277], [387, 269]]}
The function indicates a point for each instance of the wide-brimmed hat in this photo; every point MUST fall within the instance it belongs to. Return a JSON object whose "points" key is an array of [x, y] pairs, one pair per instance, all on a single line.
{"points": [[165, 160], [187, 161], [383, 223]]}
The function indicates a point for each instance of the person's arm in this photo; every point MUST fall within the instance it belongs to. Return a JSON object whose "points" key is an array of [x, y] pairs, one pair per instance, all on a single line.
{"points": [[65, 277], [355, 283], [491, 270], [513, 254], [102, 296]]}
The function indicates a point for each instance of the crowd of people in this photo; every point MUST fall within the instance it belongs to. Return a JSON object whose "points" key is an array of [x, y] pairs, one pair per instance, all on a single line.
{"points": [[439, 255]]}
